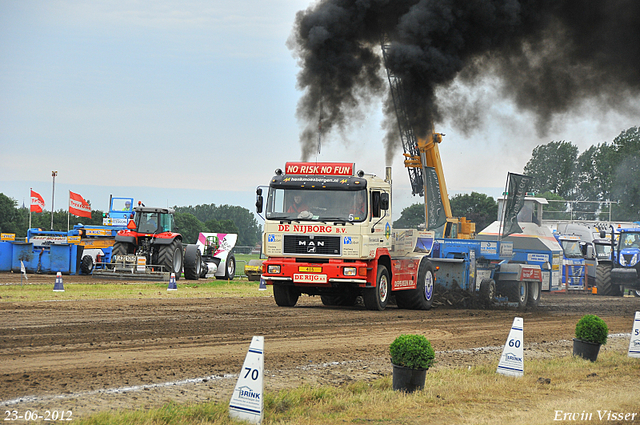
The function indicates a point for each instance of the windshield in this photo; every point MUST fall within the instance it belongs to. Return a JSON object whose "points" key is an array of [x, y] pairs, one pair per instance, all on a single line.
{"points": [[603, 252], [629, 240], [571, 249], [316, 205], [147, 222]]}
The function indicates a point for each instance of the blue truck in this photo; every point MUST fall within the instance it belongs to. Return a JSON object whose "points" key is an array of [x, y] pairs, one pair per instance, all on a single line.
{"points": [[625, 260]]}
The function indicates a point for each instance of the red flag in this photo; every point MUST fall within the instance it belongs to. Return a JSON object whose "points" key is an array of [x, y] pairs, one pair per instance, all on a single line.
{"points": [[37, 203], [78, 206]]}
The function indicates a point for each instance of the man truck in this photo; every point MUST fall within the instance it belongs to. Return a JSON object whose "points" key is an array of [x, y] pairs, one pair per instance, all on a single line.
{"points": [[343, 246]]}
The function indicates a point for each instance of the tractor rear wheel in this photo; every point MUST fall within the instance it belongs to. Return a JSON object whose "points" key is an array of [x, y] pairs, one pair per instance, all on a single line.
{"points": [[192, 262], [170, 256], [603, 281], [229, 268]]}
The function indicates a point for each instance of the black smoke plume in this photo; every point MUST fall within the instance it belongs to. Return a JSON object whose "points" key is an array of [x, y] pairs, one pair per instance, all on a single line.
{"points": [[550, 56]]}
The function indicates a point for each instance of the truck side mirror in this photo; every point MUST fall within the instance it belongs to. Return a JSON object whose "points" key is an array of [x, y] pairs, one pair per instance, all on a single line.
{"points": [[590, 254], [259, 200], [384, 201]]}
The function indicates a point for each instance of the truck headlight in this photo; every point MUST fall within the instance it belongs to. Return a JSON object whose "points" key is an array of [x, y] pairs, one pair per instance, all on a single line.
{"points": [[350, 271], [273, 269]]}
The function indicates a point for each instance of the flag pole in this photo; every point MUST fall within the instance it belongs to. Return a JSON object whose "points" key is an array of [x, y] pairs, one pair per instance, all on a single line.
{"points": [[30, 202], [68, 209], [53, 191], [505, 194]]}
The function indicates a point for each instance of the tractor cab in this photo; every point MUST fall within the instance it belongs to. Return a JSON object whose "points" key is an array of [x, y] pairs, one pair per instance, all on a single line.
{"points": [[152, 220]]}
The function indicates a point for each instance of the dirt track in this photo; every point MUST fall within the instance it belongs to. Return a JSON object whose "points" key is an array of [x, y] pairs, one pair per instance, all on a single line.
{"points": [[64, 355]]}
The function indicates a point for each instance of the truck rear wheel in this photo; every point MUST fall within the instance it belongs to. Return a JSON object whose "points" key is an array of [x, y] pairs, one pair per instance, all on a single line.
{"points": [[192, 262], [285, 295], [534, 294], [170, 256], [378, 297], [420, 298], [348, 299], [518, 293]]}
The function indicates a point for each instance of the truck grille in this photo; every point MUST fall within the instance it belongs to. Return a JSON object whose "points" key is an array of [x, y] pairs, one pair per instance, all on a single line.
{"points": [[311, 245]]}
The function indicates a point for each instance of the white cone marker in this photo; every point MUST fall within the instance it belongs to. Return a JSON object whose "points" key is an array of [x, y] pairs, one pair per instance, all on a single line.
{"points": [[58, 286], [512, 359], [246, 402]]}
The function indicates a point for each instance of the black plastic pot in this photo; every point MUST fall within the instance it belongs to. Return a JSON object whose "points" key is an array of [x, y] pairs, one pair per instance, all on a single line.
{"points": [[407, 379], [585, 349]]}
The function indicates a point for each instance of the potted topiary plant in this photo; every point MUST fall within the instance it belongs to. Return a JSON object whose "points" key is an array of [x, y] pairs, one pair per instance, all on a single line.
{"points": [[591, 333], [411, 356]]}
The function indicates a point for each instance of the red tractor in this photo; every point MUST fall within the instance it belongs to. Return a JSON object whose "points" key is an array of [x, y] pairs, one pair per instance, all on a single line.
{"points": [[149, 235]]}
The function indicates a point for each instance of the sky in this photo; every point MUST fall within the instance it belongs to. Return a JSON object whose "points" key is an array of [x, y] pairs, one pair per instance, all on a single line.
{"points": [[194, 102]]}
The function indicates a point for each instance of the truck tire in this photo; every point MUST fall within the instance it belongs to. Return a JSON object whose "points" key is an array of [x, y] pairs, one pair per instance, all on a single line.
{"points": [[348, 299], [285, 295], [518, 292], [487, 292], [170, 256], [229, 269], [535, 289], [603, 281], [192, 262], [421, 297], [86, 265], [378, 297]]}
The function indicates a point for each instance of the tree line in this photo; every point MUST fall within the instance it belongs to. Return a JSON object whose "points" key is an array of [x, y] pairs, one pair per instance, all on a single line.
{"points": [[190, 221], [601, 182]]}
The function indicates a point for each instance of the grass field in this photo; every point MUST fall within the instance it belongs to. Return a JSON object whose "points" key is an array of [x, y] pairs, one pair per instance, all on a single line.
{"points": [[562, 390], [186, 289]]}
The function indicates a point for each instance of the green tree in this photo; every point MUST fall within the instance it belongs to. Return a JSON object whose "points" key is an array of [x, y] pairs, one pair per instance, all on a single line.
{"points": [[412, 217], [189, 227], [8, 214], [626, 176], [476, 207], [222, 226], [556, 209], [554, 167], [249, 232]]}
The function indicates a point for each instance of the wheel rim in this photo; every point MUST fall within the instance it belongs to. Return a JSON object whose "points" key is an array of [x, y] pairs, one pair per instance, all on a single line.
{"points": [[231, 268], [428, 285], [177, 261], [383, 289], [523, 291]]}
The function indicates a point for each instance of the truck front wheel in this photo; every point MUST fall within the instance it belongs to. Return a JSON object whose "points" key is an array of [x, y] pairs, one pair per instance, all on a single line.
{"points": [[285, 295], [378, 297]]}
